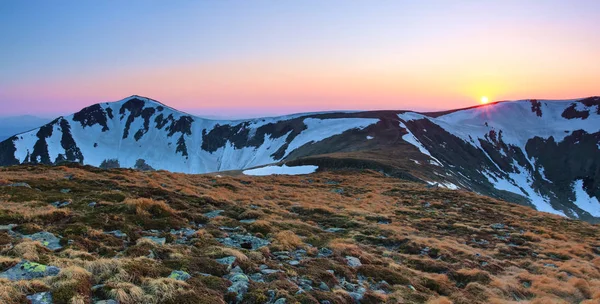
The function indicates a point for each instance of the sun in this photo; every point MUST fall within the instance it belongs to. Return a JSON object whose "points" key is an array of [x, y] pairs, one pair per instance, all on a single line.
{"points": [[484, 99]]}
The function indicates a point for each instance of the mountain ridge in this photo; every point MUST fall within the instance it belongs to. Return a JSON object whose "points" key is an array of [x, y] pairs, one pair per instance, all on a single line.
{"points": [[504, 149]]}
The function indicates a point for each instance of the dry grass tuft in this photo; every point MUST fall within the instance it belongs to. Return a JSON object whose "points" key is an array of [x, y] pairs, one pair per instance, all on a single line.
{"points": [[287, 240], [126, 293], [149, 207]]}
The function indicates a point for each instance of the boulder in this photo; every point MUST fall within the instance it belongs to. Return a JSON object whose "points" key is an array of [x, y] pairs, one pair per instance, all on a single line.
{"points": [[26, 270], [47, 239]]}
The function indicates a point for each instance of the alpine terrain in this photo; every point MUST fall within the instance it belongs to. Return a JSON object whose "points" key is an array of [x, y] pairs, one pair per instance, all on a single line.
{"points": [[539, 153]]}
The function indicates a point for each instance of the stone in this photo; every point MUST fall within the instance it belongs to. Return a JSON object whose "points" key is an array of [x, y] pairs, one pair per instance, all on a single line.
{"points": [[40, 298], [26, 270], [8, 227], [280, 301], [323, 286], [324, 252], [229, 260], [47, 239], [497, 226], [180, 275], [25, 185], [334, 230], [157, 240], [294, 263], [183, 232], [248, 221], [106, 302], [92, 204], [61, 204], [244, 241], [269, 271], [117, 233], [353, 261], [65, 191], [213, 214], [239, 285]]}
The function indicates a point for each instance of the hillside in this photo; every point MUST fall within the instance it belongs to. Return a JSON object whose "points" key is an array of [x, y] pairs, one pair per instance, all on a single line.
{"points": [[538, 153], [332, 237]]}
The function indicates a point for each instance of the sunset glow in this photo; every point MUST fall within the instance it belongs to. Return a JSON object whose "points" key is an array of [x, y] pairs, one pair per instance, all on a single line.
{"points": [[484, 99], [275, 58]]}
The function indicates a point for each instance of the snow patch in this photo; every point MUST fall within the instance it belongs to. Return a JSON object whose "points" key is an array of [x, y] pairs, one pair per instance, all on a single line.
{"points": [[584, 201], [283, 170]]}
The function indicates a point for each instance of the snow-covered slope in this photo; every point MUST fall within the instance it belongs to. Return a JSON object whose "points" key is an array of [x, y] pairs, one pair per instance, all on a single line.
{"points": [[139, 128], [531, 148]]}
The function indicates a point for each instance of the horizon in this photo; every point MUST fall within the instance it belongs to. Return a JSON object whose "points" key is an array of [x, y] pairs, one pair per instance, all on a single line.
{"points": [[262, 58], [253, 113]]}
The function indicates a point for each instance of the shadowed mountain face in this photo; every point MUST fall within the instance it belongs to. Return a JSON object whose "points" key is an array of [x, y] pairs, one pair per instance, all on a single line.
{"points": [[544, 154]]}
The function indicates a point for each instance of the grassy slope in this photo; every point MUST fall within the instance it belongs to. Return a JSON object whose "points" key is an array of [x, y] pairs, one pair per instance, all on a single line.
{"points": [[440, 245]]}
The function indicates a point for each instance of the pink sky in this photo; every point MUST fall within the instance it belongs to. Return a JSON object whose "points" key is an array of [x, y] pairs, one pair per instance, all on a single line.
{"points": [[280, 58]]}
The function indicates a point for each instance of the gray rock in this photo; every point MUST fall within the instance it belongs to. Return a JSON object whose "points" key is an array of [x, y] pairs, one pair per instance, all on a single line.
{"points": [[324, 252], [230, 229], [40, 298], [269, 271], [323, 286], [335, 230], [106, 302], [8, 227], [280, 301], [213, 214], [338, 190], [243, 241], [65, 191], [157, 240], [26, 270], [180, 275], [183, 232], [61, 204], [497, 226], [92, 204], [47, 239], [353, 262], [248, 221], [25, 185], [117, 233], [239, 285], [229, 260], [294, 263]]}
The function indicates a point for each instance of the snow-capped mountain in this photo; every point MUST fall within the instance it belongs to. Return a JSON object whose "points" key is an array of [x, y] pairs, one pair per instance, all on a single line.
{"points": [[545, 154], [139, 128], [545, 151]]}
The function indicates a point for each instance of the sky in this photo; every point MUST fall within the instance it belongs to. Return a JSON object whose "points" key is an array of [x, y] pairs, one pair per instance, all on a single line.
{"points": [[251, 58]]}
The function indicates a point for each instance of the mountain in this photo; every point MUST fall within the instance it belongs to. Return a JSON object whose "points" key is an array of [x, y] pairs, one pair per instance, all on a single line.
{"points": [[540, 153], [17, 124]]}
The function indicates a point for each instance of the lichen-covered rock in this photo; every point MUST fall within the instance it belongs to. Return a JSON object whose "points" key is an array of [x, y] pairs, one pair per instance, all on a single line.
{"points": [[239, 283], [47, 239], [180, 275], [26, 270], [40, 298]]}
